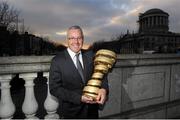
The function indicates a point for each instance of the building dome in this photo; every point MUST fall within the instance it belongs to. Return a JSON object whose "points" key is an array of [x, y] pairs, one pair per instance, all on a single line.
{"points": [[153, 20], [155, 11]]}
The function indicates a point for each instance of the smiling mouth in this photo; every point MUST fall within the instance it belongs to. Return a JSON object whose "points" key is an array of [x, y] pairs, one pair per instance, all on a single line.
{"points": [[76, 45]]}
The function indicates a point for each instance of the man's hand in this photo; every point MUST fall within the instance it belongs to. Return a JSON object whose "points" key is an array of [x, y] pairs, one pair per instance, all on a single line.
{"points": [[101, 98], [86, 99]]}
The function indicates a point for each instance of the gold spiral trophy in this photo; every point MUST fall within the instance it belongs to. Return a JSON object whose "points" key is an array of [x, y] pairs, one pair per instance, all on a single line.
{"points": [[104, 60]]}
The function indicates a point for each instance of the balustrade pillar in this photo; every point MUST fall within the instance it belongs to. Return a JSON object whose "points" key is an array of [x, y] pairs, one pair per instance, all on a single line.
{"points": [[51, 103], [30, 104], [7, 107]]}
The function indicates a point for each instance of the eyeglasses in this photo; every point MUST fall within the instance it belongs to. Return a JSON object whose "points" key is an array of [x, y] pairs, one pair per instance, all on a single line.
{"points": [[73, 38]]}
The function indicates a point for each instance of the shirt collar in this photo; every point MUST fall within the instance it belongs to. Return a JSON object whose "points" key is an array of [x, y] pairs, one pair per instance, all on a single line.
{"points": [[71, 53]]}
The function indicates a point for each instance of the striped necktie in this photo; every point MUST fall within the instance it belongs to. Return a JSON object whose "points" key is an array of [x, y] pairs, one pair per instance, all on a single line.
{"points": [[79, 67]]}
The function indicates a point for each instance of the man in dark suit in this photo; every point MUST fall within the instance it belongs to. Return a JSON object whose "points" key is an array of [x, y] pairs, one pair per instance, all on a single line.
{"points": [[66, 82]]}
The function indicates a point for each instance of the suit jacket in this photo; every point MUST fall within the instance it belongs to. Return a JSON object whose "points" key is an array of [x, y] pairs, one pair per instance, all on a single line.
{"points": [[66, 84]]}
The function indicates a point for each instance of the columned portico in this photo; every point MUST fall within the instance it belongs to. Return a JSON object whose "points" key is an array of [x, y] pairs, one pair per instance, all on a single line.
{"points": [[154, 20]]}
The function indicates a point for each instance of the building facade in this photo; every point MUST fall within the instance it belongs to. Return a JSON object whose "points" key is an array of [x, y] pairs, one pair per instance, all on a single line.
{"points": [[153, 35]]}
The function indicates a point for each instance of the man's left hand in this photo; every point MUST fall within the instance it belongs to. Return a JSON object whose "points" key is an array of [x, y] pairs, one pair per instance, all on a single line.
{"points": [[101, 98]]}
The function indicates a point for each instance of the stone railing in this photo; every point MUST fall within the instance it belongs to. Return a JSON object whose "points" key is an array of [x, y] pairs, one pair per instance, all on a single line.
{"points": [[27, 68], [141, 86]]}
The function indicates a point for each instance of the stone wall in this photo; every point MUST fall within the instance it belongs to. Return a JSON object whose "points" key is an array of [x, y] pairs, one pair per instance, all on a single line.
{"points": [[144, 86]]}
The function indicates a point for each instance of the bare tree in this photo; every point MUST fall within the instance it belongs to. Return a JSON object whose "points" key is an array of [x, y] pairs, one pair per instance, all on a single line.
{"points": [[8, 15]]}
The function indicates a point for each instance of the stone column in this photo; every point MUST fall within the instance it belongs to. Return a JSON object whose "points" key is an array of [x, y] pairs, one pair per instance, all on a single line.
{"points": [[163, 20], [30, 104], [167, 21], [142, 21], [7, 107], [51, 103], [153, 21], [156, 17], [149, 22]]}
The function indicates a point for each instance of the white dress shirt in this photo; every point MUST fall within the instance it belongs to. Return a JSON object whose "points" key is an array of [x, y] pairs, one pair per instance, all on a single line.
{"points": [[73, 57]]}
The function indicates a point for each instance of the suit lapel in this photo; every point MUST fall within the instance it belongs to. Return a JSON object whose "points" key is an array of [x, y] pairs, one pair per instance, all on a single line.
{"points": [[86, 64], [72, 68]]}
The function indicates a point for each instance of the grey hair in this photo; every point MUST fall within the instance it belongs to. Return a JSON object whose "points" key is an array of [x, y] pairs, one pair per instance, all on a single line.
{"points": [[76, 27]]}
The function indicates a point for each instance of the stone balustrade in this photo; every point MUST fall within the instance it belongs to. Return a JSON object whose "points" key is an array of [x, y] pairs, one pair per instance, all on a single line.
{"points": [[141, 86], [27, 68]]}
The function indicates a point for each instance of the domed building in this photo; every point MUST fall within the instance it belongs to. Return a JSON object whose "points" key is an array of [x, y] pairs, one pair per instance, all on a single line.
{"points": [[153, 34], [153, 20]]}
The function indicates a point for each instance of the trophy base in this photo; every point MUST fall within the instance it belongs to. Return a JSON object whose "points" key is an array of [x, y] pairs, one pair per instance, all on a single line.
{"points": [[91, 95], [91, 91]]}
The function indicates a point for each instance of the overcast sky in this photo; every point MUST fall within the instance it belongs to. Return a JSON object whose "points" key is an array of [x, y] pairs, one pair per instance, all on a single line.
{"points": [[100, 19]]}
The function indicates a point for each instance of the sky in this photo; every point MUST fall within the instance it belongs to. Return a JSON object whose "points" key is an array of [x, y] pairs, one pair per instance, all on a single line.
{"points": [[99, 19]]}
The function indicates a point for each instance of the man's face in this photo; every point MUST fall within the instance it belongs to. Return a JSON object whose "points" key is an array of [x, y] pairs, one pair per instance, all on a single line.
{"points": [[75, 40]]}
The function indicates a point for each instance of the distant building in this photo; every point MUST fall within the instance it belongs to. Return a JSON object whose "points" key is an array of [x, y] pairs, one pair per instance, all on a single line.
{"points": [[4, 41], [15, 44], [153, 35]]}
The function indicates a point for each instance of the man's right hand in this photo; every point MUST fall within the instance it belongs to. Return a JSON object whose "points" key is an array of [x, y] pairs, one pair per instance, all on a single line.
{"points": [[86, 99]]}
